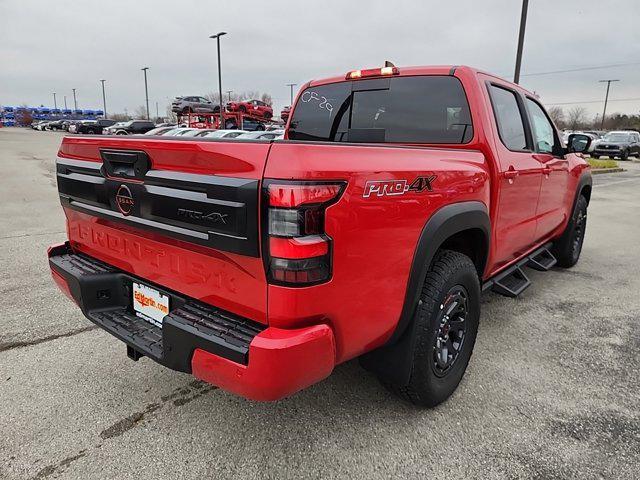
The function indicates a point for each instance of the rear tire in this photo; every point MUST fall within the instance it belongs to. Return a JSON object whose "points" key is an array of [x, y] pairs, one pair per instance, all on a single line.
{"points": [[445, 329], [624, 155], [593, 155], [568, 247]]}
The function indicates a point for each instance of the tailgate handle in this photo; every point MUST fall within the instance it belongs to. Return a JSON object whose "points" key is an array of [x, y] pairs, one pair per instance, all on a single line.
{"points": [[125, 163]]}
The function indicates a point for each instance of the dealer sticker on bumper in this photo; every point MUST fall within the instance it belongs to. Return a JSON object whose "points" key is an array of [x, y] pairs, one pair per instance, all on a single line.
{"points": [[150, 304]]}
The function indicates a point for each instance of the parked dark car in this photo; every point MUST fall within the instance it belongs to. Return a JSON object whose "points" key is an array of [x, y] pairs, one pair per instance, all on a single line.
{"points": [[94, 128], [55, 125], [622, 144], [132, 127]]}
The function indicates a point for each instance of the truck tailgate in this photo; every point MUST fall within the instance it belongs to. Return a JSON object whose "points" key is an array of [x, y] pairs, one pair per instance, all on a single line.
{"points": [[181, 213]]}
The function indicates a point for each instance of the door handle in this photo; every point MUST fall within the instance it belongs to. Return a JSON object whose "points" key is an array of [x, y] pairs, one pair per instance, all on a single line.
{"points": [[511, 173], [546, 170]]}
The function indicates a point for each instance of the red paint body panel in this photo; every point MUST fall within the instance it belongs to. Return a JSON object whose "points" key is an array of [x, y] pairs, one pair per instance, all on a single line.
{"points": [[225, 158], [373, 238], [227, 280]]}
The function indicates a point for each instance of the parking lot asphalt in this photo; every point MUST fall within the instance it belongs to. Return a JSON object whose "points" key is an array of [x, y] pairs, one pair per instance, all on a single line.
{"points": [[552, 390]]}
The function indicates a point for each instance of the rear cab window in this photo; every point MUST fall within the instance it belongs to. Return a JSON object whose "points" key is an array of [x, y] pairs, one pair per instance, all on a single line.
{"points": [[429, 109], [509, 118]]}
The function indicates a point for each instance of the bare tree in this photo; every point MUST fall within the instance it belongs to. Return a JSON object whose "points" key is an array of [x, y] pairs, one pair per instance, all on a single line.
{"points": [[266, 98], [576, 118], [140, 112], [557, 116], [240, 97], [119, 117], [171, 115]]}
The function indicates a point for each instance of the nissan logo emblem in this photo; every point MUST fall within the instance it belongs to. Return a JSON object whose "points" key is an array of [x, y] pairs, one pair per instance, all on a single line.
{"points": [[124, 200]]}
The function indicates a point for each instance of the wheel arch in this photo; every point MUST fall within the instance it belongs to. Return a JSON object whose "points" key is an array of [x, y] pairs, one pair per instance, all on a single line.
{"points": [[464, 227], [584, 187]]}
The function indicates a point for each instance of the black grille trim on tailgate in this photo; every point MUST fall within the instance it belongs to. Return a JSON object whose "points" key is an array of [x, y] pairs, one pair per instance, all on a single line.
{"points": [[214, 211], [104, 294]]}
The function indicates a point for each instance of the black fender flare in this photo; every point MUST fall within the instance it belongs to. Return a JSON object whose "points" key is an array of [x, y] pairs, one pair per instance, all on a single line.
{"points": [[585, 180], [392, 361]]}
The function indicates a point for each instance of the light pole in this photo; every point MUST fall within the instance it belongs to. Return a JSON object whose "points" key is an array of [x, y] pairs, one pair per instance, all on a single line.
{"points": [[523, 24], [606, 99], [157, 112], [75, 103], [291, 85], [217, 37], [229, 92], [104, 99], [55, 105], [65, 102], [146, 90]]}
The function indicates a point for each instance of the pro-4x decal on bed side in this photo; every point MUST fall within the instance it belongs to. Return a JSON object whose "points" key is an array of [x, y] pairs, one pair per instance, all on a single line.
{"points": [[380, 188]]}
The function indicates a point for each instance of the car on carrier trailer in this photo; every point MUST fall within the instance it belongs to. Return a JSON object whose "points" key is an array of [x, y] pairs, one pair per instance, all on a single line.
{"points": [[397, 196]]}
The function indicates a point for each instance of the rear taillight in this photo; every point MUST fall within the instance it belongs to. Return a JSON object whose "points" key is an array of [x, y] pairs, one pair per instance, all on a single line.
{"points": [[297, 249]]}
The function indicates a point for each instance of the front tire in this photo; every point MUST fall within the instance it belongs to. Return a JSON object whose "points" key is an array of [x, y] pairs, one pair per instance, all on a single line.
{"points": [[624, 155], [568, 247], [445, 329]]}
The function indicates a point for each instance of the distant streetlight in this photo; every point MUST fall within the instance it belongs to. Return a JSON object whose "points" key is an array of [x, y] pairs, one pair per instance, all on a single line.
{"points": [[157, 111], [291, 85], [75, 102], [229, 92], [146, 89], [606, 99], [104, 99], [523, 24], [217, 37], [55, 105], [65, 102]]}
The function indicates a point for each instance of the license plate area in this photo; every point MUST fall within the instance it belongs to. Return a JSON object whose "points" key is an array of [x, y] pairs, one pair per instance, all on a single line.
{"points": [[149, 304]]}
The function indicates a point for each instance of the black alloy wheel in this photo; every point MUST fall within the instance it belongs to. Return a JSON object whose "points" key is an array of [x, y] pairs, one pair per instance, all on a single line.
{"points": [[451, 330]]}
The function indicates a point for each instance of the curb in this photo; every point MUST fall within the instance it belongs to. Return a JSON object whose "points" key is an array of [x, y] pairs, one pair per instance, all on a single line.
{"points": [[596, 171]]}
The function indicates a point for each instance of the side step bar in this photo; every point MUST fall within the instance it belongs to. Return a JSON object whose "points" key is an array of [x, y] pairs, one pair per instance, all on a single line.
{"points": [[513, 281]]}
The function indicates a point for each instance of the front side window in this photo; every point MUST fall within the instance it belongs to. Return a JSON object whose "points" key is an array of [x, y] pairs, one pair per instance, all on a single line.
{"points": [[543, 136], [508, 118], [420, 109]]}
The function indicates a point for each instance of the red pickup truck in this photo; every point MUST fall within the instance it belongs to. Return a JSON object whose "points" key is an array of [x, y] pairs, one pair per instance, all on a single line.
{"points": [[397, 196]]}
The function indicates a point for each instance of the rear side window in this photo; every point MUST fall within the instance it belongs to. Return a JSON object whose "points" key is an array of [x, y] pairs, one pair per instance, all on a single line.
{"points": [[421, 109], [509, 118]]}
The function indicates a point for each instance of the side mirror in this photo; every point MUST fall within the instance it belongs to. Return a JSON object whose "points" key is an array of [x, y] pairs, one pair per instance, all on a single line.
{"points": [[578, 143]]}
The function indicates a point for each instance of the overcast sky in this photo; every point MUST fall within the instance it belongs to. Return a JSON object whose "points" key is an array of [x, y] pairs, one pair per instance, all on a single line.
{"points": [[55, 45]]}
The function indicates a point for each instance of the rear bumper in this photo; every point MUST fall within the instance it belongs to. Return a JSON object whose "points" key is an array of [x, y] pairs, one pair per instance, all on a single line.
{"points": [[232, 352]]}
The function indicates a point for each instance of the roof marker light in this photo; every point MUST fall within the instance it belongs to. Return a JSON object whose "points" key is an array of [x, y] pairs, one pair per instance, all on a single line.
{"points": [[372, 72]]}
